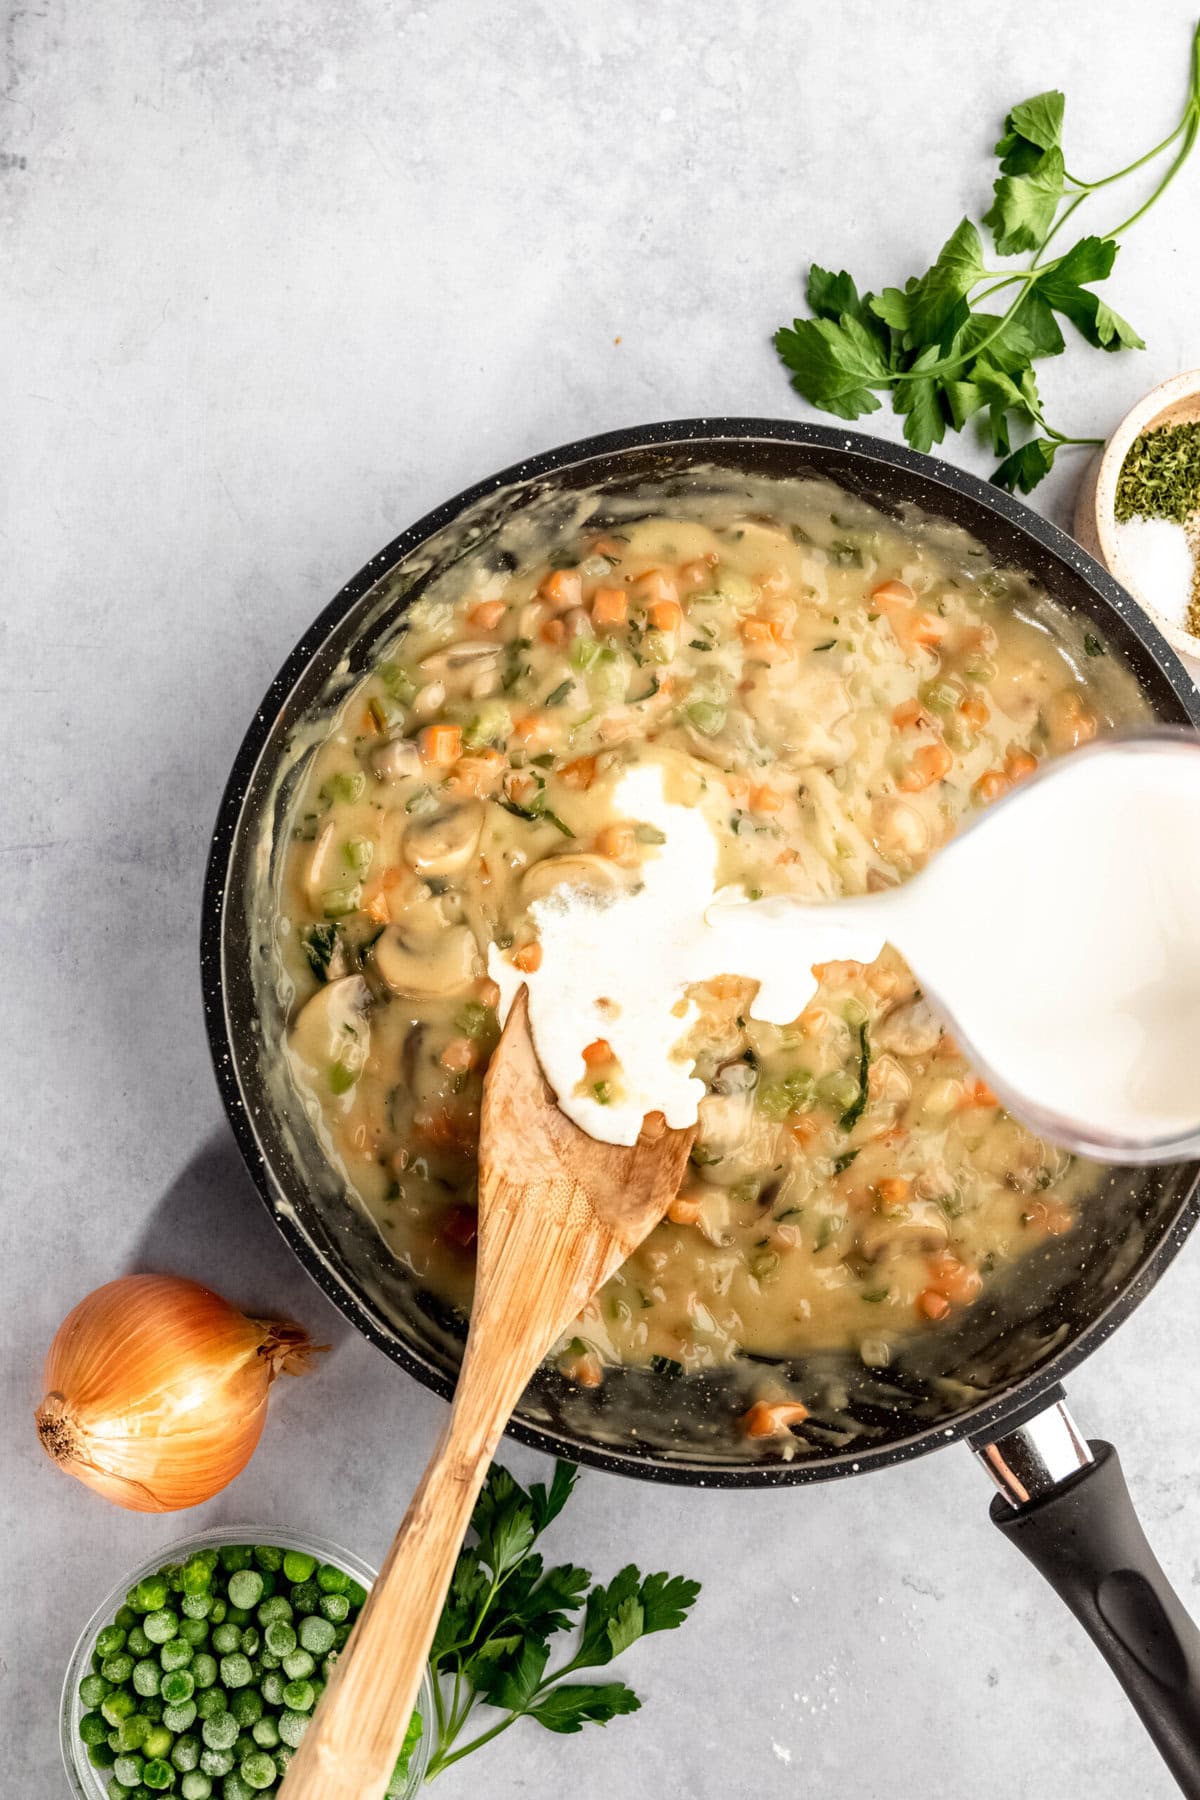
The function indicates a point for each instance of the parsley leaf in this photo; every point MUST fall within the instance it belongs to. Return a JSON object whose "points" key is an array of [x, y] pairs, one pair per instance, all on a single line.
{"points": [[834, 363], [945, 356], [492, 1647]]}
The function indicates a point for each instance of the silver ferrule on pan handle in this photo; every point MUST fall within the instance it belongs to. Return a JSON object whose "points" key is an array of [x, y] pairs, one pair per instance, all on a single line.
{"points": [[1037, 1457]]}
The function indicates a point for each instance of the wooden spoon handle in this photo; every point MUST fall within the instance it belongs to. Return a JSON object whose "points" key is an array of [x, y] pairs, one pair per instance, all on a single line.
{"points": [[350, 1748]]}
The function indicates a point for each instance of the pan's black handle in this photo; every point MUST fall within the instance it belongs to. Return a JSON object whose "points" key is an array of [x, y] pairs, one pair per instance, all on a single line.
{"points": [[1065, 1505]]}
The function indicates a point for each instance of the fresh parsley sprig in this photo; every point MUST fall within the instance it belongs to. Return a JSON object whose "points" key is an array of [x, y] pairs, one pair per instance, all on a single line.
{"points": [[492, 1645], [938, 349]]}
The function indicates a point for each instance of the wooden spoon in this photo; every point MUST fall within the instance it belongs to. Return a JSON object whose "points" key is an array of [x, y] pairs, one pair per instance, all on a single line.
{"points": [[558, 1214]]}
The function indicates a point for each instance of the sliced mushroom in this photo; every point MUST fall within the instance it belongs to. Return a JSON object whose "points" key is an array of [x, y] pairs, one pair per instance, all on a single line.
{"points": [[444, 842], [724, 1122], [574, 868], [396, 759], [426, 967], [911, 1030], [334, 1026], [923, 1227]]}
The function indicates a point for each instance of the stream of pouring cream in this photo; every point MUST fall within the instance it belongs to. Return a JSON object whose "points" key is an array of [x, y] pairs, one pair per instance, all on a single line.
{"points": [[1061, 934]]}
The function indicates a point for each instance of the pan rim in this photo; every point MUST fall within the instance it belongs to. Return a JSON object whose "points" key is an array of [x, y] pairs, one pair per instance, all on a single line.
{"points": [[975, 1422]]}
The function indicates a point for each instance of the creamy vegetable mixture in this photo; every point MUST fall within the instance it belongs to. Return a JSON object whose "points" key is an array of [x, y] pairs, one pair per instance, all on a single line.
{"points": [[838, 691]]}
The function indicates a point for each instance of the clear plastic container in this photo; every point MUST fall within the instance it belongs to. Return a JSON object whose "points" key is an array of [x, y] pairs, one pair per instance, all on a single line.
{"points": [[89, 1783]]}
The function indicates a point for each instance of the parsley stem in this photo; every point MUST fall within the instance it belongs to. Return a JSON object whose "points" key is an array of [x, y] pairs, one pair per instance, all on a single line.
{"points": [[440, 1760], [1191, 128], [1131, 168]]}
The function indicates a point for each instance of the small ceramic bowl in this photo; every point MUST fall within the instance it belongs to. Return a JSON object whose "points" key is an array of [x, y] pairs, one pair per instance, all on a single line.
{"points": [[89, 1783], [1175, 402]]}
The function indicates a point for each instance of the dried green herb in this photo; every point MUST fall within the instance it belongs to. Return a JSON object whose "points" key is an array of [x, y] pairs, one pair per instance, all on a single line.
{"points": [[1160, 477]]}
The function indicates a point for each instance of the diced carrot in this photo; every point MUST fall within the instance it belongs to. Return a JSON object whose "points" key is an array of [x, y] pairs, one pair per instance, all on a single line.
{"points": [[610, 606], [1069, 722], [760, 634], [894, 1190], [991, 784], [553, 632], [666, 615], [533, 731], [788, 856], [618, 843], [479, 773], [932, 1304], [772, 1418], [925, 628], [813, 1020], [487, 615], [803, 1128], [607, 546], [562, 587], [890, 594], [441, 744], [579, 774], [1018, 764], [931, 763], [458, 1055], [978, 1093], [974, 709], [377, 907], [487, 992], [910, 715], [1049, 1215], [528, 958], [765, 800], [955, 1279], [838, 972], [439, 1128], [460, 1227], [520, 786], [656, 585], [585, 1370], [684, 1210], [598, 1052]]}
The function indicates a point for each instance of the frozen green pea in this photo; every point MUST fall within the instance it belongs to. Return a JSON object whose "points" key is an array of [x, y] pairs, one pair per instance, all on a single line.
{"points": [[249, 1641], [94, 1728], [195, 1786], [258, 1770], [216, 1763], [268, 1556], [236, 1556], [92, 1689], [181, 1717], [246, 1706], [220, 1731], [131, 1733], [203, 1668], [137, 1643], [277, 1607], [117, 1668], [279, 1638], [299, 1665], [185, 1751], [177, 1687], [298, 1565], [292, 1726], [237, 1789], [118, 1705], [158, 1741], [243, 1745], [128, 1769], [235, 1670], [210, 1701], [150, 1594], [158, 1774], [334, 1607], [196, 1606], [160, 1626], [265, 1732], [331, 1580], [110, 1640], [147, 1676], [192, 1631], [316, 1635], [298, 1696], [245, 1588], [273, 1685], [176, 1653], [225, 1638]]}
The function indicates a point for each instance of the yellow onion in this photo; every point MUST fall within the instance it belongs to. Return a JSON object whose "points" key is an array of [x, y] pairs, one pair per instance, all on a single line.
{"points": [[156, 1390]]}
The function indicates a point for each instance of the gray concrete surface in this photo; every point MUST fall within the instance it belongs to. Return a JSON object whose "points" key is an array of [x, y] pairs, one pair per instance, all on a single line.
{"points": [[277, 277]]}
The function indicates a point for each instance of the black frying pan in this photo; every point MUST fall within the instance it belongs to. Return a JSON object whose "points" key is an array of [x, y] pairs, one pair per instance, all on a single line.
{"points": [[994, 1377]]}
